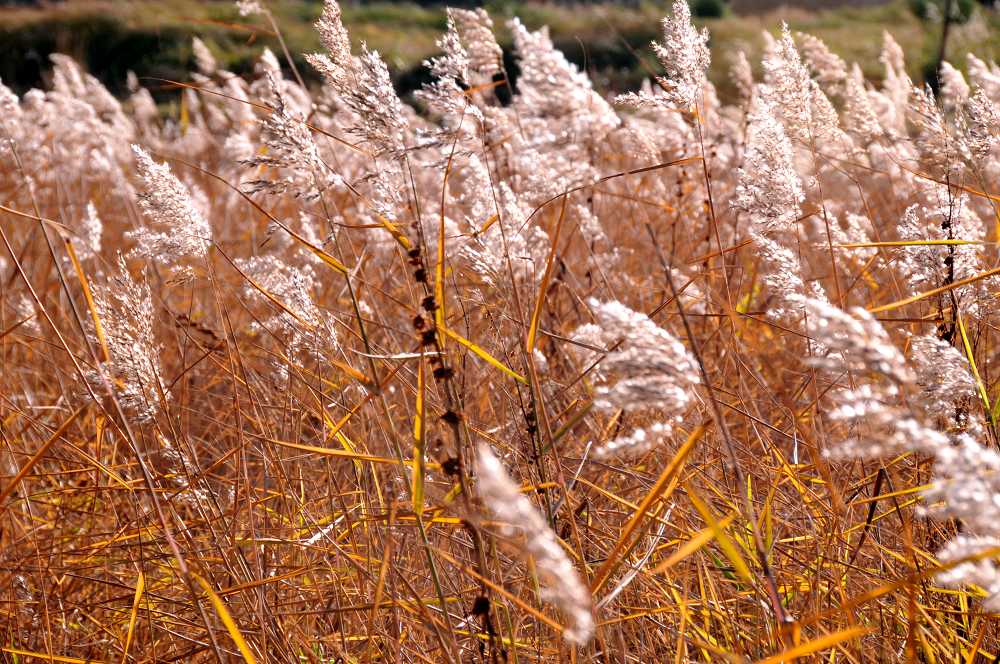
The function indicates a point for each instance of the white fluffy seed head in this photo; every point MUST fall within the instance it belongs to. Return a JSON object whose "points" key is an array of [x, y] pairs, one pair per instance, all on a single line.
{"points": [[769, 188], [526, 526], [645, 368], [179, 228], [685, 58]]}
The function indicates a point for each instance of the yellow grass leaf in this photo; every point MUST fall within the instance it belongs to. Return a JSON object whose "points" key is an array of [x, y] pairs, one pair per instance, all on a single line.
{"points": [[220, 608], [46, 657], [934, 291], [725, 542], [397, 234], [88, 296], [972, 363], [139, 587], [346, 454], [816, 645], [659, 490], [484, 355], [700, 539], [544, 285]]}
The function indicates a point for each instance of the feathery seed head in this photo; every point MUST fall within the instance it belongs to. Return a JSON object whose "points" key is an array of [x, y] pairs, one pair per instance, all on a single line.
{"points": [[475, 30], [982, 121], [203, 57], [769, 188], [652, 370], [91, 228], [684, 56], [858, 339], [829, 68], [292, 150], [741, 74], [521, 520], [125, 309], [363, 83], [167, 203]]}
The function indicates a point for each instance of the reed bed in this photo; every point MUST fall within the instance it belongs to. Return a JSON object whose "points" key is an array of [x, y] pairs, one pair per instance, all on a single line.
{"points": [[520, 374]]}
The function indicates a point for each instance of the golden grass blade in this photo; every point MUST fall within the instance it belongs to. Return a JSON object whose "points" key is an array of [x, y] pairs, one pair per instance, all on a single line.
{"points": [[133, 615], [816, 645], [700, 539], [576, 418], [544, 285], [397, 234], [267, 294], [906, 243], [112, 475], [484, 355], [725, 542], [234, 631], [950, 185], [486, 226], [972, 363], [335, 427], [613, 560], [14, 326], [48, 658], [345, 454], [88, 296], [319, 253], [256, 583], [893, 494], [37, 456], [706, 257], [185, 116], [61, 228], [316, 251], [934, 291], [617, 499], [975, 649], [351, 371]]}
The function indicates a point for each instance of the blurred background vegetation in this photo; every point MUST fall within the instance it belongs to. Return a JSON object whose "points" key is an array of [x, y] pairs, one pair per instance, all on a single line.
{"points": [[609, 39]]}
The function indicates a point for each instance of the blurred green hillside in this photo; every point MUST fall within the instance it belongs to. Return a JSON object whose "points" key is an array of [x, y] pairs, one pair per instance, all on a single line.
{"points": [[153, 38]]}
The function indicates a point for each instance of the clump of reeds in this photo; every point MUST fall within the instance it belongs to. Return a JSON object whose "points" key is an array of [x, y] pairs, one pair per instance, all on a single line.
{"points": [[260, 360]]}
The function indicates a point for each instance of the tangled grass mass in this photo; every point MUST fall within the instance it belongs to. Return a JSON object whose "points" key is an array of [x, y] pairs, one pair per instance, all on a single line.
{"points": [[522, 374]]}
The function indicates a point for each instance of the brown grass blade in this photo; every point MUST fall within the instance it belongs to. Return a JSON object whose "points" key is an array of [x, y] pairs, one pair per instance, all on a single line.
{"points": [[658, 490], [37, 456]]}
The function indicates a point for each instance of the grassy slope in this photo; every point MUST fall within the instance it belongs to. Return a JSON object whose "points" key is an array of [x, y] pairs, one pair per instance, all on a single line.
{"points": [[153, 38]]}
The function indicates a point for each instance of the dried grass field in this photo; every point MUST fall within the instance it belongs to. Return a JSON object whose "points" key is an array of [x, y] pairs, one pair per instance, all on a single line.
{"points": [[522, 374]]}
